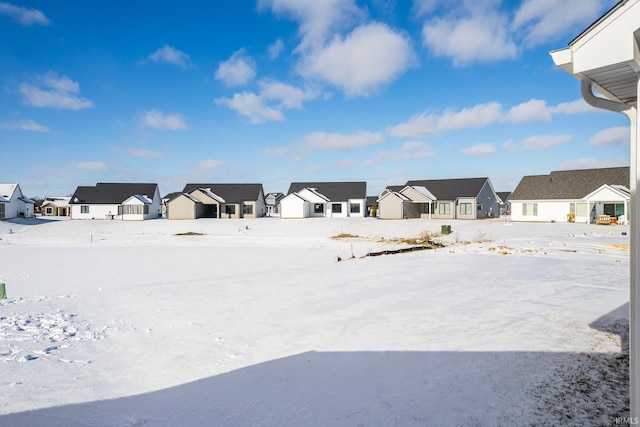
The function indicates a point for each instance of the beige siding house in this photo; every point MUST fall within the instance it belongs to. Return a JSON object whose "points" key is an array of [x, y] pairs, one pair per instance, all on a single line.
{"points": [[230, 201]]}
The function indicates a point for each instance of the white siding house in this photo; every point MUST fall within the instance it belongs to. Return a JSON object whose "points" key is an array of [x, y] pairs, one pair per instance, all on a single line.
{"points": [[294, 206], [333, 199], [123, 201], [572, 196], [14, 204]]}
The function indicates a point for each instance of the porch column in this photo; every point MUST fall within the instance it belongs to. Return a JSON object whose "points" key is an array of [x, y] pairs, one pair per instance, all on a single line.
{"points": [[634, 301]]}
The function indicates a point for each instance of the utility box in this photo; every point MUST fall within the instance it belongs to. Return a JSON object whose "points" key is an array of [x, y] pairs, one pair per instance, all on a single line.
{"points": [[446, 229]]}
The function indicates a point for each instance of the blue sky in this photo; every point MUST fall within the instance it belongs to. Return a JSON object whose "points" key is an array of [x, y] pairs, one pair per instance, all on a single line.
{"points": [[275, 91]]}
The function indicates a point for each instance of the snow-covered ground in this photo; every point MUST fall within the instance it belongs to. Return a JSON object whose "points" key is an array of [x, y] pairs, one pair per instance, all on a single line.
{"points": [[256, 322]]}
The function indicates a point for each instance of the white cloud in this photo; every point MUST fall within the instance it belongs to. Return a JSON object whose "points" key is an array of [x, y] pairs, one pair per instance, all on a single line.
{"points": [[28, 125], [478, 38], [574, 107], [158, 120], [370, 56], [417, 125], [591, 163], [410, 150], [429, 123], [318, 19], [141, 152], [275, 49], [612, 137], [478, 116], [23, 15], [479, 150], [288, 96], [210, 164], [424, 7], [58, 92], [253, 107], [543, 20], [256, 106], [534, 110], [341, 142], [276, 152], [509, 145], [238, 70], [416, 150], [92, 165], [542, 142], [170, 55]]}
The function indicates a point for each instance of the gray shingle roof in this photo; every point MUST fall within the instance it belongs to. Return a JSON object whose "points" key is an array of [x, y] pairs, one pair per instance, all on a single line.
{"points": [[231, 193], [568, 185], [111, 192], [335, 191], [504, 195], [451, 189]]}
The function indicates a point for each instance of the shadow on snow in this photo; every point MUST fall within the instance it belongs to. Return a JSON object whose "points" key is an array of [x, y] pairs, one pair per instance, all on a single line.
{"points": [[382, 388]]}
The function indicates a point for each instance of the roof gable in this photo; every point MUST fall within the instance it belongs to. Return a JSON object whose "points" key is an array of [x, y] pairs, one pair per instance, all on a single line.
{"points": [[335, 191], [568, 185], [451, 189], [7, 190], [231, 193]]}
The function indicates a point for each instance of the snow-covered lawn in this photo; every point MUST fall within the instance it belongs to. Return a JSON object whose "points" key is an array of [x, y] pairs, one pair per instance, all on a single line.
{"points": [[255, 322]]}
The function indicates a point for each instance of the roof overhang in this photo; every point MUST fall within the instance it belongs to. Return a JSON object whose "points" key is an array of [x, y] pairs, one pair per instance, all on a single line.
{"points": [[606, 54]]}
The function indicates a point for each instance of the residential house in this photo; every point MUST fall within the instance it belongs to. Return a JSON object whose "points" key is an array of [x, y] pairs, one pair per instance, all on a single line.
{"points": [[461, 198], [166, 199], [218, 201], [329, 199], [303, 204], [372, 206], [272, 203], [505, 204], [13, 203], [124, 201], [407, 201], [573, 195], [56, 206]]}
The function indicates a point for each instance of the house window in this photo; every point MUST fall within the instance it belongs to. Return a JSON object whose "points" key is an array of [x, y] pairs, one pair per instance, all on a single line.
{"points": [[247, 209], [479, 206], [84, 209], [529, 209], [336, 208], [465, 208], [318, 208], [614, 209], [355, 208], [444, 209], [230, 209], [579, 209], [48, 210], [135, 209]]}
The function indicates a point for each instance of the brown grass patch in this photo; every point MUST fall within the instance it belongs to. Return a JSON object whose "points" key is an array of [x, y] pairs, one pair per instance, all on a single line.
{"points": [[345, 236], [617, 245]]}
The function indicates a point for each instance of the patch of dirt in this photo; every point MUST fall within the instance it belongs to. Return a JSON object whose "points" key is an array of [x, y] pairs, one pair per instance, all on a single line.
{"points": [[587, 388], [190, 233]]}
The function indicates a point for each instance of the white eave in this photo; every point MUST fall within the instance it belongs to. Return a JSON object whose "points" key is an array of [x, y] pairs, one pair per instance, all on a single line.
{"points": [[606, 54]]}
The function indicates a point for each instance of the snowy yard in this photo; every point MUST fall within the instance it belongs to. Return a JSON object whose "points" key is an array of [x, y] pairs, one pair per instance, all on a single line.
{"points": [[255, 322]]}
